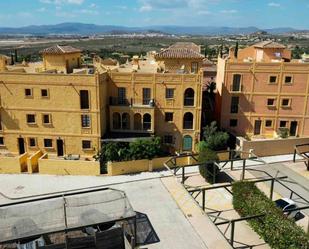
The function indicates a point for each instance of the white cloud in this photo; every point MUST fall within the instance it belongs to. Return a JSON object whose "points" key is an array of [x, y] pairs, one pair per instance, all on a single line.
{"points": [[41, 9], [59, 2], [228, 11], [272, 4]]}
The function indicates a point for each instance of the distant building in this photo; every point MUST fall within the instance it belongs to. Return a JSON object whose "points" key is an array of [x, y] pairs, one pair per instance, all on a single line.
{"points": [[263, 91]]}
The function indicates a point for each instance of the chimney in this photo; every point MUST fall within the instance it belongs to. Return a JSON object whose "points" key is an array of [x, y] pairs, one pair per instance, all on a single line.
{"points": [[135, 62]]}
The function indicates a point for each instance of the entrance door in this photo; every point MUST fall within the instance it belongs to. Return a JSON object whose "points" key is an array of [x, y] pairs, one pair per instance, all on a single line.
{"points": [[60, 151], [21, 145], [257, 127], [187, 143], [293, 128]]}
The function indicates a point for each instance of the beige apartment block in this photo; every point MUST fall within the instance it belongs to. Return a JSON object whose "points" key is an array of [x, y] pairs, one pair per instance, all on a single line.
{"points": [[45, 107], [263, 90], [61, 106]]}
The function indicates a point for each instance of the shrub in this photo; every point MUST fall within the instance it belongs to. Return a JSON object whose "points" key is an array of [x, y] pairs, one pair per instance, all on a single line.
{"points": [[214, 139], [275, 228], [207, 167], [283, 132]]}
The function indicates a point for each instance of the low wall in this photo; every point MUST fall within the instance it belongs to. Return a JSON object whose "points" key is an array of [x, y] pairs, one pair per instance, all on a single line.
{"points": [[271, 147], [68, 167], [33, 162], [13, 165]]}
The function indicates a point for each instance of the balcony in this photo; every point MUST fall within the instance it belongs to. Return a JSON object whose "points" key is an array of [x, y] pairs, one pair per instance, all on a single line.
{"points": [[132, 102]]}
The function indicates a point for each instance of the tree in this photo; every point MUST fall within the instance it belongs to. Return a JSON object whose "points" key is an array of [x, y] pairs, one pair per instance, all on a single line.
{"points": [[214, 139], [236, 50]]}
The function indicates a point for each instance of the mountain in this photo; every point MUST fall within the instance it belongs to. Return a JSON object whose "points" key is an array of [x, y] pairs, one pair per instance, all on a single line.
{"points": [[91, 29]]}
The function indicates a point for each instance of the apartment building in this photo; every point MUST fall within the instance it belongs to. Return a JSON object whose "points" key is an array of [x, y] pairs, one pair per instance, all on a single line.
{"points": [[262, 90], [63, 107], [160, 95], [54, 105]]}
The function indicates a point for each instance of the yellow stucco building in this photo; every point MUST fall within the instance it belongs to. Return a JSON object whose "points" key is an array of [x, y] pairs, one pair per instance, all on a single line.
{"points": [[63, 107]]}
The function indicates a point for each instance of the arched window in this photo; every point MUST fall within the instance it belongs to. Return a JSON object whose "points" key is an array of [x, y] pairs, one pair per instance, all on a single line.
{"points": [[137, 121], [116, 121], [147, 121], [125, 121], [189, 97], [187, 143], [188, 120]]}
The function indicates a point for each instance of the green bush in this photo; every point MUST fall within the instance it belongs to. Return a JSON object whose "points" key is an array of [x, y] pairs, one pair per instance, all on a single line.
{"points": [[275, 228], [283, 132], [207, 167], [121, 151], [214, 139]]}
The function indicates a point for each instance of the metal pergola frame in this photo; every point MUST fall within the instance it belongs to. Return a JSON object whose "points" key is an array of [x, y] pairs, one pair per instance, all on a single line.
{"points": [[301, 154], [75, 228]]}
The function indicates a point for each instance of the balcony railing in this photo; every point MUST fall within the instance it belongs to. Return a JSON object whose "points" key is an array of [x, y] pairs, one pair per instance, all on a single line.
{"points": [[115, 101]]}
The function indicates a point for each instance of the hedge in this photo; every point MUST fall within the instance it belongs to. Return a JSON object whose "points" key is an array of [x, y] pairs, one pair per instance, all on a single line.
{"points": [[275, 228], [207, 167]]}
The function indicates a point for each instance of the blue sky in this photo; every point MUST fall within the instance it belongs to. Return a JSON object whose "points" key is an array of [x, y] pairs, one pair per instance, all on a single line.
{"points": [[235, 13]]}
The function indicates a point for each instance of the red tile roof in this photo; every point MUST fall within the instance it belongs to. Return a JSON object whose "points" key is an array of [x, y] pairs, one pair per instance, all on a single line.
{"points": [[268, 44], [59, 49], [179, 53]]}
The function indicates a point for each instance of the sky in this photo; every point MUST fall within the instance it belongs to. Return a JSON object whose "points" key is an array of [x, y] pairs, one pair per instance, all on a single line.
{"points": [[139, 13]]}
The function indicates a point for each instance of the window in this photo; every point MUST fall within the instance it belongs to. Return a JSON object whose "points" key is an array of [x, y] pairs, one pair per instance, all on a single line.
{"points": [[283, 124], [86, 144], [146, 96], [147, 122], [288, 79], [233, 122], [168, 139], [28, 92], [272, 79], [268, 123], [86, 123], [121, 96], [169, 93], [285, 102], [234, 104], [44, 93], [84, 99], [189, 97], [194, 67], [125, 121], [46, 118], [236, 87], [30, 118], [48, 143], [1, 141], [271, 102], [169, 116], [188, 121], [32, 142]]}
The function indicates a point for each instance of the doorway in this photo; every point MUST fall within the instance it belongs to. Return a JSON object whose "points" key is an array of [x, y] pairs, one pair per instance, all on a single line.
{"points": [[60, 150], [293, 128], [187, 143], [21, 145], [257, 127]]}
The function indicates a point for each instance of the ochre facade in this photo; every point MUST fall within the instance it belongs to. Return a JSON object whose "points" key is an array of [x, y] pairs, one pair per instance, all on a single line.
{"points": [[62, 107], [262, 95]]}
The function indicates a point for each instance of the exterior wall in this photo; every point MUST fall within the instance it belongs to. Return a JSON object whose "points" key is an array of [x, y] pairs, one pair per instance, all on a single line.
{"points": [[278, 146], [255, 91], [63, 105], [174, 65], [13, 165], [134, 84], [68, 167], [63, 63]]}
